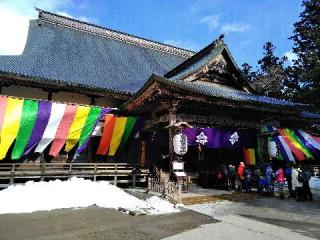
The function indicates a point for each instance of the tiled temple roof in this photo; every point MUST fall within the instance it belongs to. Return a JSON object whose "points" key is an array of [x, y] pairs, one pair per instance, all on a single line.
{"points": [[72, 52], [219, 91]]}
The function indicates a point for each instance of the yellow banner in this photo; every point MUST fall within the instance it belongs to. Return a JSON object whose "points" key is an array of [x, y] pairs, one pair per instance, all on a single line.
{"points": [[11, 124], [117, 135], [76, 127]]}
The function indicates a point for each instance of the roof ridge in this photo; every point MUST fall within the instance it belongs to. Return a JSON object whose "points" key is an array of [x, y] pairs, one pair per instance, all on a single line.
{"points": [[52, 18], [216, 44]]}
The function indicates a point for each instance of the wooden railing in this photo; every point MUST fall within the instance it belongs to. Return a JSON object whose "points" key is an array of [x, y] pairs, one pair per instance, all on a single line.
{"points": [[44, 171], [169, 190]]}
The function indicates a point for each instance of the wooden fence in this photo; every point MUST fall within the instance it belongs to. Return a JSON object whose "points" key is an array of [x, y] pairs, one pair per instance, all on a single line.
{"points": [[117, 172], [170, 190]]}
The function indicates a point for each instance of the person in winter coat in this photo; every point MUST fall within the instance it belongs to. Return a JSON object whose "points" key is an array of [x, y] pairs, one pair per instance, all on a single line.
{"points": [[280, 179], [297, 186], [247, 179], [240, 174], [288, 172], [305, 183], [269, 176], [232, 175]]}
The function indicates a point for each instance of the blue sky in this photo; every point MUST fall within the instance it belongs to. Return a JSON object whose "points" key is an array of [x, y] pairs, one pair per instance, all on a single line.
{"points": [[248, 24]]}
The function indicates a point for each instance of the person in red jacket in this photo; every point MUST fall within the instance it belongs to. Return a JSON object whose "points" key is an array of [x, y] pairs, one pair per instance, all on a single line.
{"points": [[280, 179], [240, 174]]}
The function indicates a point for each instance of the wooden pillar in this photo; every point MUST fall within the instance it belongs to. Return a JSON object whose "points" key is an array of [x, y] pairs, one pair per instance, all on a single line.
{"points": [[143, 154]]}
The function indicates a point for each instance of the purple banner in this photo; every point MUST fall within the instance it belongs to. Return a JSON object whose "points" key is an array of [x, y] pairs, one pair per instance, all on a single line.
{"points": [[43, 116], [221, 138]]}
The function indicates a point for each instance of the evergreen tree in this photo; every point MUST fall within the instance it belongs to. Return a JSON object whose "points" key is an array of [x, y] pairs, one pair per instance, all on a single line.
{"points": [[247, 72], [271, 75], [306, 37]]}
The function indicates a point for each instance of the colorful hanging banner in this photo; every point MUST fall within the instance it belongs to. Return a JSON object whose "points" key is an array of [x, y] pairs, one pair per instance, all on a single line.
{"points": [[76, 127], [93, 118], [285, 150], [43, 115], [35, 124], [3, 105], [310, 139], [57, 112], [131, 121], [117, 135], [299, 155], [63, 130], [11, 124], [28, 119], [109, 123], [249, 155], [297, 143], [314, 151], [136, 128]]}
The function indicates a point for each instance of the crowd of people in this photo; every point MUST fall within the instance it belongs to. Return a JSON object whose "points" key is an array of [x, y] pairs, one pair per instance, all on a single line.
{"points": [[293, 178]]}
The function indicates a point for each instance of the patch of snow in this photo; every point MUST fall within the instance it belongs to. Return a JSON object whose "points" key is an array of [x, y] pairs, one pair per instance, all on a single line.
{"points": [[76, 193], [212, 209], [160, 206]]}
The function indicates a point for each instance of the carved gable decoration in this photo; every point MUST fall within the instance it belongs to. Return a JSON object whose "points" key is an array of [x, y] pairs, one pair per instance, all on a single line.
{"points": [[217, 71]]}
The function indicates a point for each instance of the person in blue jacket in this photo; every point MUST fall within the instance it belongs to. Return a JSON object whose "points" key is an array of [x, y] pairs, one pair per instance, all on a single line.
{"points": [[269, 177]]}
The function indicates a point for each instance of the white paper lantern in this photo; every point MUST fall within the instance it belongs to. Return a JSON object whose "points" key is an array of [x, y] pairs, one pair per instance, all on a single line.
{"points": [[180, 144], [272, 149]]}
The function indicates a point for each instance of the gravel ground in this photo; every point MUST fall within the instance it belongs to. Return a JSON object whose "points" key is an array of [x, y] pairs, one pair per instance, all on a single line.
{"points": [[96, 223]]}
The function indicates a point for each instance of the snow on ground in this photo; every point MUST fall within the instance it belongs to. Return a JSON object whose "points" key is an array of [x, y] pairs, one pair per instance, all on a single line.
{"points": [[75, 193], [212, 209]]}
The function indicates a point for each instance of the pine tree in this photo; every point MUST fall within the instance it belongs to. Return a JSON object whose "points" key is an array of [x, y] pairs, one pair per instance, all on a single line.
{"points": [[306, 37], [271, 75], [247, 72]]}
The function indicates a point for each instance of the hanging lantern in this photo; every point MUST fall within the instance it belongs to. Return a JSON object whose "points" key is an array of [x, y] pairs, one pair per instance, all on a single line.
{"points": [[180, 144], [273, 149]]}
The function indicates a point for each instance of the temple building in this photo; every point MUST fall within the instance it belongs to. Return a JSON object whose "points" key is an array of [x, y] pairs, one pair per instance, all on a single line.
{"points": [[66, 60]]}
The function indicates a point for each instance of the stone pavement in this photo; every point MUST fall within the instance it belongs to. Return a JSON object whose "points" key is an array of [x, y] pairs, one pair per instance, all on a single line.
{"points": [[236, 227], [252, 217]]}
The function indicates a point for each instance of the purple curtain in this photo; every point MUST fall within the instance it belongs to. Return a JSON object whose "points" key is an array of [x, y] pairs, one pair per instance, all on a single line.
{"points": [[221, 137]]}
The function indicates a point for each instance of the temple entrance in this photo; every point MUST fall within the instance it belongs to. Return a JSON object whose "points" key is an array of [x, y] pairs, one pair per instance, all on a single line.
{"points": [[208, 164]]}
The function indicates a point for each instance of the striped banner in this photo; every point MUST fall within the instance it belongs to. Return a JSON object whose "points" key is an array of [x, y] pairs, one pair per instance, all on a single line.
{"points": [[109, 123], [284, 149], [299, 155], [63, 129], [11, 124], [117, 135], [57, 112], [93, 118], [131, 121], [43, 115], [76, 127], [249, 155], [117, 132], [29, 116], [297, 143], [310, 139], [35, 124], [3, 105]]}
